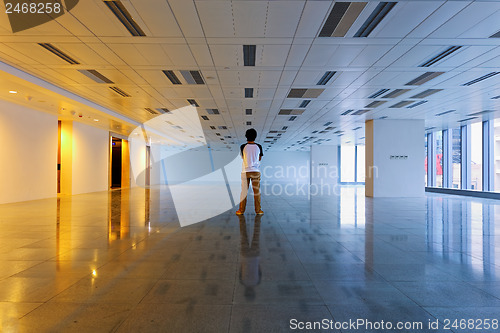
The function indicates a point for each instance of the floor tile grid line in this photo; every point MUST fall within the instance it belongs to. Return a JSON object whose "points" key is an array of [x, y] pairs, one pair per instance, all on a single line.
{"points": [[150, 252]]}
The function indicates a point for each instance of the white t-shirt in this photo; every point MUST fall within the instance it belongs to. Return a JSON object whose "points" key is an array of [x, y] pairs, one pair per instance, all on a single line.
{"points": [[250, 152]]}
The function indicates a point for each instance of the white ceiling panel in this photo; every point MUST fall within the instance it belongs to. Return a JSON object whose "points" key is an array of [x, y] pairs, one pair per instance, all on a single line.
{"points": [[445, 12], [180, 54], [250, 18], [319, 55], [273, 55], [283, 18], [297, 54], [159, 19], [306, 78], [96, 16], [405, 17], [483, 28], [344, 54], [418, 55], [227, 55], [370, 55], [154, 54], [466, 19], [128, 53], [186, 15], [202, 55], [216, 18]]}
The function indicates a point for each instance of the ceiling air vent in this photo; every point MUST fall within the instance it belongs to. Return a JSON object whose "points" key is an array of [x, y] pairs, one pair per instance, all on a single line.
{"points": [[204, 117], [248, 112], [284, 128], [119, 91], [287, 112], [193, 77], [163, 110], [497, 35], [172, 77], [249, 123], [378, 93], [445, 112], [95, 75], [212, 127], [193, 102], [357, 128], [51, 48], [466, 119], [395, 93], [479, 79], [426, 93], [327, 123], [480, 113], [375, 18], [248, 92], [341, 18], [292, 118], [360, 112], [440, 56], [325, 78], [423, 78], [374, 104], [401, 104], [151, 111], [416, 104], [223, 127], [304, 93], [345, 113], [304, 103], [383, 117], [213, 111], [249, 55], [329, 128], [125, 18], [430, 128]]}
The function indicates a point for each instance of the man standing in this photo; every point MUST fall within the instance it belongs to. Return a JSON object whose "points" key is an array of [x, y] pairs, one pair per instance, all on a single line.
{"points": [[251, 153]]}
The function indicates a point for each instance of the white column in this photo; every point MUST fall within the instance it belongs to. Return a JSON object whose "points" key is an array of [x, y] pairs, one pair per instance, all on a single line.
{"points": [[395, 158]]}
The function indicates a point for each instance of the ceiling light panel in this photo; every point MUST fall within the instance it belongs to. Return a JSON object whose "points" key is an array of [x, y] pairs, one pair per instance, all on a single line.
{"points": [[426, 93], [423, 78], [119, 92], [395, 93], [341, 18], [172, 77], [193, 77], [401, 104], [325, 78], [378, 93]]}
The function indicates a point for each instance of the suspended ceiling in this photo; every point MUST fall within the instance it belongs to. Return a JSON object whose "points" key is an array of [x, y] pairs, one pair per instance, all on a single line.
{"points": [[313, 81]]}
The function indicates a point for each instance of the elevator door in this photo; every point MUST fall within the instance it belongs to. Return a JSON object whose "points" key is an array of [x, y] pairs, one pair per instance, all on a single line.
{"points": [[116, 163]]}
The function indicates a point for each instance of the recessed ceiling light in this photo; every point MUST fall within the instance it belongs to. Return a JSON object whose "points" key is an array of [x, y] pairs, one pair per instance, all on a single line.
{"points": [[12, 92], [96, 119]]}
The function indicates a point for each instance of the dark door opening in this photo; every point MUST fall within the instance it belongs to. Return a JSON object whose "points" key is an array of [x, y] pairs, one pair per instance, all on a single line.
{"points": [[116, 163]]}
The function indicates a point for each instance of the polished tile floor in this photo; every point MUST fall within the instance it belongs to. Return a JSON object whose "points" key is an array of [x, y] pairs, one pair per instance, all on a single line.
{"points": [[120, 262]]}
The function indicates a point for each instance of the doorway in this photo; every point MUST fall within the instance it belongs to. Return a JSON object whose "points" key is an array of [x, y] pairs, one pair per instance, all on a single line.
{"points": [[116, 162]]}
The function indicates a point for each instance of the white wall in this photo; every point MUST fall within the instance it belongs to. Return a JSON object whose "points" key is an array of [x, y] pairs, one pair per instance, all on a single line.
{"points": [[90, 159], [137, 161], [28, 154], [324, 165], [395, 177]]}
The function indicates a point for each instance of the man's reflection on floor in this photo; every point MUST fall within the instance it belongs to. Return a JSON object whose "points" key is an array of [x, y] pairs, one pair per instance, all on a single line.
{"points": [[250, 273]]}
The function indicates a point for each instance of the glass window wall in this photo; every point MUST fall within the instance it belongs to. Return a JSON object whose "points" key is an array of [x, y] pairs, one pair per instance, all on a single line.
{"points": [[476, 170], [456, 156], [439, 159]]}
